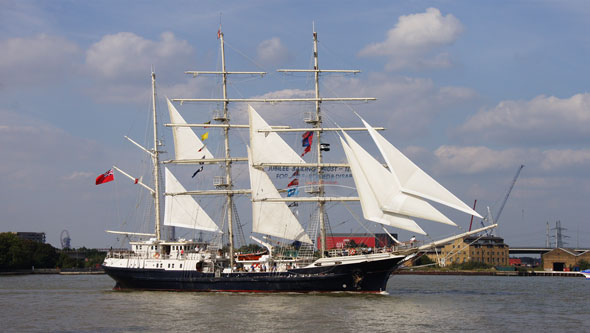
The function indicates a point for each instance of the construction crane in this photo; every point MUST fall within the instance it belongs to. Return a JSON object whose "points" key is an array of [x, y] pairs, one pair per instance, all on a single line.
{"points": [[489, 217]]}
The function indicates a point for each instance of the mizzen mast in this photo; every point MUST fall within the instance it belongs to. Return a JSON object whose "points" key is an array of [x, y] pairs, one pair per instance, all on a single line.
{"points": [[317, 124], [156, 160]]}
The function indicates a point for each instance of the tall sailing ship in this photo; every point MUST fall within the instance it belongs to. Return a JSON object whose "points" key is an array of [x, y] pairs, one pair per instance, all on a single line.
{"points": [[390, 194]]}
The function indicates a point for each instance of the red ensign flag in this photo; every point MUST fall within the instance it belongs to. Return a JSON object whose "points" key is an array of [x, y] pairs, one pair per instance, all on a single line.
{"points": [[105, 177]]}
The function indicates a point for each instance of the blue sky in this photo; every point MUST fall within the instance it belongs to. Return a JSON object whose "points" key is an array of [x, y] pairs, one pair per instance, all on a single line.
{"points": [[469, 90]]}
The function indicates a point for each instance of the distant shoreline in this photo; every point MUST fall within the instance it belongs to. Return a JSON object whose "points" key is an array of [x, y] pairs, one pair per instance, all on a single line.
{"points": [[68, 271], [83, 271], [487, 273]]}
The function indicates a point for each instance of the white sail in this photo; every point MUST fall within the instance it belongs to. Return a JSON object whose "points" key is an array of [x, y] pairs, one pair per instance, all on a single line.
{"points": [[268, 147], [187, 145], [387, 190], [271, 218], [369, 204], [414, 180], [183, 210]]}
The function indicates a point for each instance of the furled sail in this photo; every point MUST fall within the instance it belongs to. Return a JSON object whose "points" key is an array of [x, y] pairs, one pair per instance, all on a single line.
{"points": [[187, 145], [369, 204], [268, 147], [183, 210], [414, 180], [271, 218], [387, 191]]}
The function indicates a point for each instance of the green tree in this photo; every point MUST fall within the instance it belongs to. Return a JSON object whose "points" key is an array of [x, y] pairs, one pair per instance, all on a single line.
{"points": [[423, 260], [16, 253], [250, 248], [583, 264], [470, 265], [45, 256]]}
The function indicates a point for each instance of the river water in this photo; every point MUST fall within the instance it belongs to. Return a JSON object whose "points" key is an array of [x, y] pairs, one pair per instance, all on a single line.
{"points": [[415, 303]]}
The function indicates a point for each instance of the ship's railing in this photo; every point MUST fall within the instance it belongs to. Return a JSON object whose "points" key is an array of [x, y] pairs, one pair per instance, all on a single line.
{"points": [[369, 250], [127, 254]]}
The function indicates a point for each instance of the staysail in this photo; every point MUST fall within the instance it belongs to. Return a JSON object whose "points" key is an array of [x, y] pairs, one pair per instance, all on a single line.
{"points": [[414, 180], [369, 204], [387, 191], [187, 145], [268, 147], [182, 210], [269, 217]]}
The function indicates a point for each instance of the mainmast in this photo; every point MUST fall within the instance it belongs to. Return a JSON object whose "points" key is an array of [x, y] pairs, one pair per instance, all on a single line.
{"points": [[155, 160], [227, 183], [228, 180], [318, 124]]}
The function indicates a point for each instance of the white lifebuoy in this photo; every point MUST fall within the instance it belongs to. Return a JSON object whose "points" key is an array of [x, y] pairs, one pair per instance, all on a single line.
{"points": [[157, 255], [352, 252]]}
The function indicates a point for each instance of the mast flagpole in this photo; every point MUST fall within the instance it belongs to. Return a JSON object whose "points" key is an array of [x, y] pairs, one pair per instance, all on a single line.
{"points": [[156, 161], [318, 124], [228, 180]]}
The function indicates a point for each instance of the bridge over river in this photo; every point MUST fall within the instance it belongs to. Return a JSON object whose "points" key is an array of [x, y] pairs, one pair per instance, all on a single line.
{"points": [[537, 250]]}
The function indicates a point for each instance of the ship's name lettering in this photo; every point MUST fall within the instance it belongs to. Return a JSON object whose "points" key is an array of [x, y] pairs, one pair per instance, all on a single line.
{"points": [[278, 168]]}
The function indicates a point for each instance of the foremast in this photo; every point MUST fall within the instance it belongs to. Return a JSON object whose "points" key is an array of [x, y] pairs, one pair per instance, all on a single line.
{"points": [[155, 155]]}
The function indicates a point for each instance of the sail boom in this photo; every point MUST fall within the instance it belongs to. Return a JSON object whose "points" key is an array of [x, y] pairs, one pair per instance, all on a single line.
{"points": [[140, 146], [318, 129], [206, 160], [195, 73], [219, 126], [130, 233], [452, 238], [134, 179], [309, 199], [271, 100], [302, 165], [319, 70], [208, 192], [258, 165]]}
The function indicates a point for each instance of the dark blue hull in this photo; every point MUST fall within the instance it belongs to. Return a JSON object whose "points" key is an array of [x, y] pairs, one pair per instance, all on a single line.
{"points": [[358, 277]]}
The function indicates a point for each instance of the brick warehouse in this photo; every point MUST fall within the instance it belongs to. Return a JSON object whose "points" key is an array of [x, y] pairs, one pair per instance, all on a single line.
{"points": [[561, 259]]}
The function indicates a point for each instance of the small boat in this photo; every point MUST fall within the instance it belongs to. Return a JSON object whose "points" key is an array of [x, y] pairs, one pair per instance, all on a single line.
{"points": [[586, 273]]}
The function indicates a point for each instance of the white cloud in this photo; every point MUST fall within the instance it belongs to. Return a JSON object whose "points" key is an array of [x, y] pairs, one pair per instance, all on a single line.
{"points": [[36, 60], [543, 119], [125, 55], [272, 52], [476, 159], [402, 100], [120, 65], [556, 159], [480, 159], [79, 175], [36, 152], [411, 43]]}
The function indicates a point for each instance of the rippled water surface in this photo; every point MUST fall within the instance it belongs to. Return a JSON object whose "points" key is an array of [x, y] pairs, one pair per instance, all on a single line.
{"points": [[87, 303]]}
